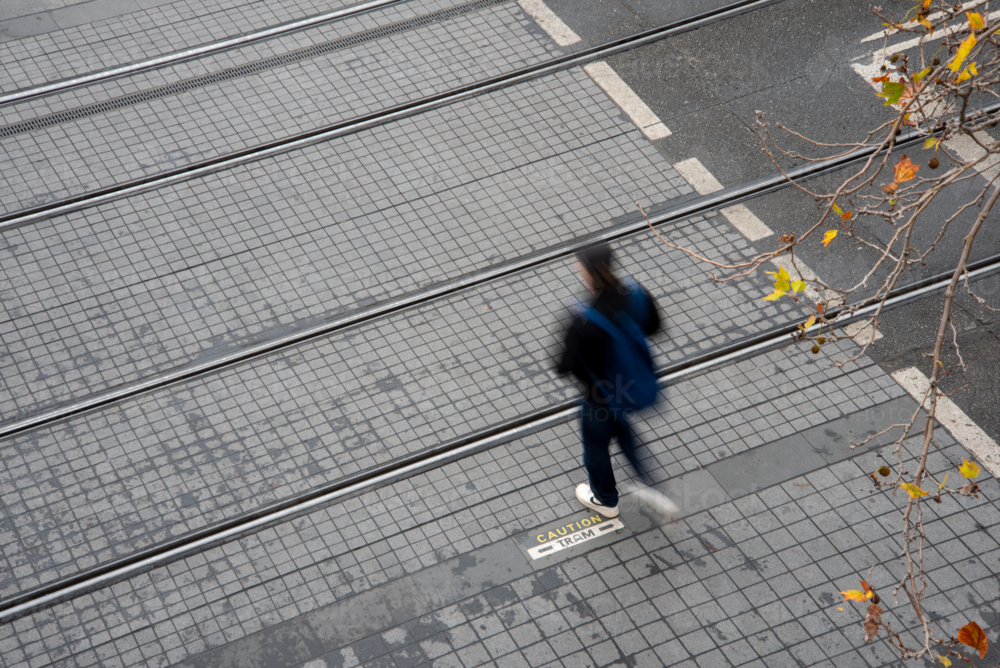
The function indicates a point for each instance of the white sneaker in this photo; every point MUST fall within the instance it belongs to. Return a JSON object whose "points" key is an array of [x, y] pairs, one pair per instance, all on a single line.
{"points": [[586, 497], [659, 503]]}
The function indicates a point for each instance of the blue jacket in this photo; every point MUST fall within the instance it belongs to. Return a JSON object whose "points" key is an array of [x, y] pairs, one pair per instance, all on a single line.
{"points": [[587, 345]]}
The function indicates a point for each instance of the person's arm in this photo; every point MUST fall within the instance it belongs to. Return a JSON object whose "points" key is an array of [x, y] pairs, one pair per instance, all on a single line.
{"points": [[653, 322], [582, 353], [570, 347]]}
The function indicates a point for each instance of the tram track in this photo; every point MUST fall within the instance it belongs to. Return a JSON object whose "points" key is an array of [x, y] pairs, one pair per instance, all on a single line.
{"points": [[449, 287], [163, 179], [363, 316], [218, 77], [352, 485]]}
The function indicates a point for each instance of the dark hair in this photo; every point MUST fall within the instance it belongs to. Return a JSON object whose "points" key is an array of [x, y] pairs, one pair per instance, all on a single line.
{"points": [[596, 259]]}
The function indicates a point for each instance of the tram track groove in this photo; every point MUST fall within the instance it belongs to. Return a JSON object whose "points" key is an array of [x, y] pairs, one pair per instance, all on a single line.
{"points": [[349, 126], [346, 487], [184, 55]]}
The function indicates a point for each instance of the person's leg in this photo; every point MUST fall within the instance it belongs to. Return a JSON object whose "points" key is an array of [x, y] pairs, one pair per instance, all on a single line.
{"points": [[622, 431], [596, 424], [645, 495]]}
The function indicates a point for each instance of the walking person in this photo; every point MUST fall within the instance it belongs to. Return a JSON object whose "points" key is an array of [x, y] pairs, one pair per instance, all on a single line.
{"points": [[606, 350]]}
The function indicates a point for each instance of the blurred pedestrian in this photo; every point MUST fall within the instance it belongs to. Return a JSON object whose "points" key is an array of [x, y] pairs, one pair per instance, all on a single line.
{"points": [[606, 350]]}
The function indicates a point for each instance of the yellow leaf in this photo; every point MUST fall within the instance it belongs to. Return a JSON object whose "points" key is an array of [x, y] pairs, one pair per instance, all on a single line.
{"points": [[828, 237], [963, 52], [911, 489], [777, 294], [930, 142], [975, 20], [782, 279], [967, 73], [904, 170], [969, 469], [941, 486], [927, 24], [944, 660], [972, 635], [921, 74], [856, 595], [798, 286], [810, 322], [839, 608]]}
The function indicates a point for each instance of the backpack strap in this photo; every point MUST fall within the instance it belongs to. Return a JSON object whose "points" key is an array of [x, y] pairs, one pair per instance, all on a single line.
{"points": [[635, 313], [626, 328]]}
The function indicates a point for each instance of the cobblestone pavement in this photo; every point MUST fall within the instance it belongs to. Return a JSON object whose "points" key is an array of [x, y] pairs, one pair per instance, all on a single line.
{"points": [[94, 487], [255, 107], [150, 283], [428, 570]]}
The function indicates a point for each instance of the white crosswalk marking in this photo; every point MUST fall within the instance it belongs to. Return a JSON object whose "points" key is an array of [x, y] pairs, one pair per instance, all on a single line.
{"points": [[625, 97], [954, 419], [740, 217], [549, 22]]}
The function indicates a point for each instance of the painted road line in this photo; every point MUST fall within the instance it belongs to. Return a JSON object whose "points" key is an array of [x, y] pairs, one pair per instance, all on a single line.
{"points": [[700, 178], [954, 419], [549, 22], [968, 150], [886, 34], [871, 64], [798, 271], [625, 97], [747, 224], [861, 332], [740, 217]]}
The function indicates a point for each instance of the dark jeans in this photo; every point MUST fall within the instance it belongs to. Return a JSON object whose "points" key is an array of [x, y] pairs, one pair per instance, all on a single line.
{"points": [[598, 425]]}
